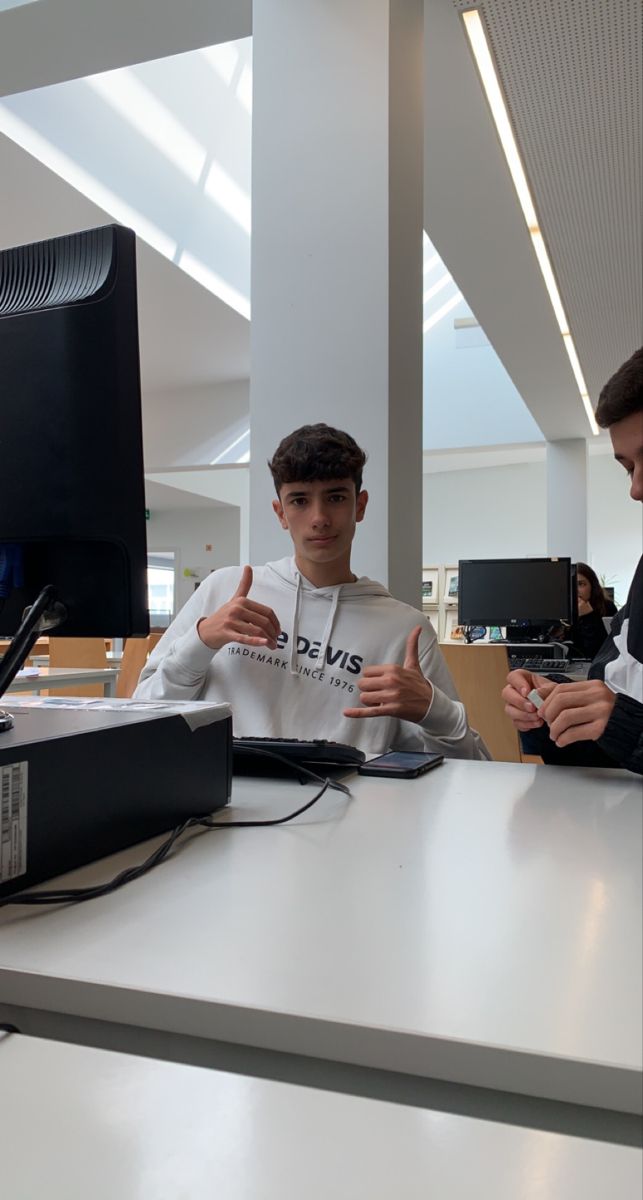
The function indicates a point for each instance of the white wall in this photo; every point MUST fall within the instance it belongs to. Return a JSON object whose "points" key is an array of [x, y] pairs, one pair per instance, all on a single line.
{"points": [[615, 524], [187, 531], [492, 512], [191, 427], [500, 512]]}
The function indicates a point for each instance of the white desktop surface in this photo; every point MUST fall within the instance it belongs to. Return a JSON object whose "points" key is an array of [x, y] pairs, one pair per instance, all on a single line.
{"points": [[66, 677], [78, 1123], [480, 924]]}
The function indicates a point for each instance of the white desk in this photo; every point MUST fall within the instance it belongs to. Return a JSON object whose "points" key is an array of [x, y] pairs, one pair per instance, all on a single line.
{"points": [[66, 677], [114, 659], [76, 1123], [480, 925]]}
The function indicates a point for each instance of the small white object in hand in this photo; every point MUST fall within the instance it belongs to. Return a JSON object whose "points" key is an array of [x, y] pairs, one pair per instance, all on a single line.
{"points": [[536, 698]]}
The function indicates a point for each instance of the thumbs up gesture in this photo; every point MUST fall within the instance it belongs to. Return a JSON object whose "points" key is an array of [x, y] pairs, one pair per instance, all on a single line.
{"points": [[393, 691], [240, 620]]}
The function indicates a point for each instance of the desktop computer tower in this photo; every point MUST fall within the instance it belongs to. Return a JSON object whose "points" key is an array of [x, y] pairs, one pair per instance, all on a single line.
{"points": [[79, 783]]}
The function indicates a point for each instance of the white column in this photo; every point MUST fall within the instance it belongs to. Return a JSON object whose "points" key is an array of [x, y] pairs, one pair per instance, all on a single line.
{"points": [[567, 499], [336, 331]]}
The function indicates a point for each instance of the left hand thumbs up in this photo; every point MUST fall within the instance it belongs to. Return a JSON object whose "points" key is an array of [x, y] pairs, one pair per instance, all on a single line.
{"points": [[412, 656], [393, 691]]}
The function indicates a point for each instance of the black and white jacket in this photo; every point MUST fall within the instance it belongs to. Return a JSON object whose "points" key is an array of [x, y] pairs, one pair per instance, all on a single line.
{"points": [[620, 663]]}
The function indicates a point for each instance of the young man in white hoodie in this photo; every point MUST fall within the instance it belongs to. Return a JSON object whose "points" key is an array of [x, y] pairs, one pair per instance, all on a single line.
{"points": [[302, 648]]}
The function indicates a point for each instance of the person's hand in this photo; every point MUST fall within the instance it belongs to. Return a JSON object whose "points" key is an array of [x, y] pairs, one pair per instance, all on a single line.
{"points": [[392, 691], [519, 709], [584, 607], [578, 712], [240, 620]]}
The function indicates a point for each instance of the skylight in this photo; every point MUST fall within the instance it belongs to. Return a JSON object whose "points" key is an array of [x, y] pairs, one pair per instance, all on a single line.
{"points": [[164, 147], [7, 4]]}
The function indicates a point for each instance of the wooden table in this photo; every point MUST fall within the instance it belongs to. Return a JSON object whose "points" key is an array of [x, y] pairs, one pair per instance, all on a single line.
{"points": [[66, 677]]}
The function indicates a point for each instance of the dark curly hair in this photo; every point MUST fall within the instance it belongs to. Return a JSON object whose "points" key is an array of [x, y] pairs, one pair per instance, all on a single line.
{"points": [[622, 395], [316, 452]]}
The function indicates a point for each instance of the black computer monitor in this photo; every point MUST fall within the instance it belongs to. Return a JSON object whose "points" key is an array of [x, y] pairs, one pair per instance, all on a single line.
{"points": [[72, 513], [528, 595]]}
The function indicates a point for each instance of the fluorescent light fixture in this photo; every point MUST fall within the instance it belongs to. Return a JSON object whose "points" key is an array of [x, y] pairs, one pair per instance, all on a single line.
{"points": [[484, 62], [143, 111], [441, 312]]}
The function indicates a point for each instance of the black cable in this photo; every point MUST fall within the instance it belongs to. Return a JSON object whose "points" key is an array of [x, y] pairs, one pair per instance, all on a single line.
{"points": [[69, 895], [209, 824], [77, 895], [5, 1027], [263, 752]]}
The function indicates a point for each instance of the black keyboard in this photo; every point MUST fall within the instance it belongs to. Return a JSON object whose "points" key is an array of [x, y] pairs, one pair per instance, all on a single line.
{"points": [[317, 752], [540, 665]]}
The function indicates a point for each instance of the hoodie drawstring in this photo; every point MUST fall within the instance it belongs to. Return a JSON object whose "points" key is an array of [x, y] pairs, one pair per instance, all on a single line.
{"points": [[328, 629], [295, 629], [326, 635]]}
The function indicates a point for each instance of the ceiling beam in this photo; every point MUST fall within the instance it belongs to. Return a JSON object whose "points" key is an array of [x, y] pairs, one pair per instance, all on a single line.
{"points": [[56, 40]]}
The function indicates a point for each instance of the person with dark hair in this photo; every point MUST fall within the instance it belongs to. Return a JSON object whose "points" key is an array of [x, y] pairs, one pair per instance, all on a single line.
{"points": [[303, 648], [317, 452], [588, 631], [599, 722]]}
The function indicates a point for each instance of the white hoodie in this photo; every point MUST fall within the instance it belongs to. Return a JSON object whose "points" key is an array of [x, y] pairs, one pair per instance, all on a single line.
{"points": [[301, 689]]}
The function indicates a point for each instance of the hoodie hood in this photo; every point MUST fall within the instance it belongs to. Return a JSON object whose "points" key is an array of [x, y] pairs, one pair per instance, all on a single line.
{"points": [[286, 574]]}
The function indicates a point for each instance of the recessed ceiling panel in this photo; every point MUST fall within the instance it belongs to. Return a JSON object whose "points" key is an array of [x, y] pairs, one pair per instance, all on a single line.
{"points": [[572, 73]]}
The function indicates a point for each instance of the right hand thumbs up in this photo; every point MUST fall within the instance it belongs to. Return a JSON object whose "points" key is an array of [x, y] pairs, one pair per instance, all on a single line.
{"points": [[240, 620]]}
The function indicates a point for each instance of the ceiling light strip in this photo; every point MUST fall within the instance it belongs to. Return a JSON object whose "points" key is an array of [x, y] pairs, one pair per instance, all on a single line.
{"points": [[484, 62]]}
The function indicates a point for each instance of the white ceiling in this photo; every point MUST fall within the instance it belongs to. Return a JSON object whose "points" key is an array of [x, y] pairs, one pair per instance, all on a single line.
{"points": [[68, 39], [479, 458], [572, 74], [188, 337], [574, 87], [161, 498]]}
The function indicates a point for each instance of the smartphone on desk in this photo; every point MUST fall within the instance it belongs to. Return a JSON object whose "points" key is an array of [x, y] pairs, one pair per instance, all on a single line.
{"points": [[401, 764]]}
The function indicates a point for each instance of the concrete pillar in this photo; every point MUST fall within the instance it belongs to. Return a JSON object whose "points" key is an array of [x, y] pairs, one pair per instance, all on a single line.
{"points": [[567, 498], [336, 293]]}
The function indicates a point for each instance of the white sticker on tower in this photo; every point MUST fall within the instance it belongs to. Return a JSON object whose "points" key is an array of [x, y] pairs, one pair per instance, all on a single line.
{"points": [[13, 820]]}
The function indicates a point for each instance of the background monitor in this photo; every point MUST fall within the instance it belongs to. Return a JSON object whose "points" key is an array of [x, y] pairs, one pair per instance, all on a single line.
{"points": [[516, 591], [71, 453]]}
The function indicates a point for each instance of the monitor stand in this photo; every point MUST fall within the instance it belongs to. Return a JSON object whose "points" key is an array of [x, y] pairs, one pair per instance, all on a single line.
{"points": [[45, 613]]}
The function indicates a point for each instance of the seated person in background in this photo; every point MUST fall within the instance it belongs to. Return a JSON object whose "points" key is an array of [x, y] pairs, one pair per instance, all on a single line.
{"points": [[599, 722], [303, 648], [588, 632]]}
